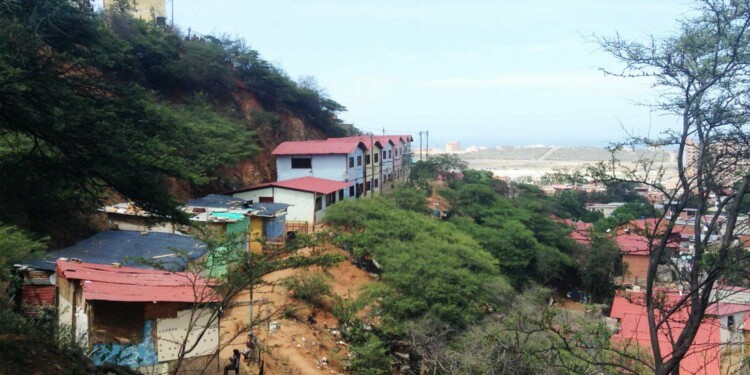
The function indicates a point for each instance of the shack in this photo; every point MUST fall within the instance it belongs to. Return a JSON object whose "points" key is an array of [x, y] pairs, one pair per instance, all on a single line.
{"points": [[138, 317]]}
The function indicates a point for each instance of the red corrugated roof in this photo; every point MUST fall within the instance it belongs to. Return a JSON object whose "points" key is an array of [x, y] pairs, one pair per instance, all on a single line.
{"points": [[309, 184], [343, 146], [128, 284], [701, 358], [635, 244], [364, 139]]}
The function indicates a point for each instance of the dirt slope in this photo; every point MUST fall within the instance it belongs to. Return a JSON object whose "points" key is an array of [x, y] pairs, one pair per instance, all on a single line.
{"points": [[297, 346]]}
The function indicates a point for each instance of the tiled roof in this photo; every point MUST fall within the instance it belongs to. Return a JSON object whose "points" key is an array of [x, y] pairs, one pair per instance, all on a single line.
{"points": [[343, 146], [128, 284], [309, 184]]}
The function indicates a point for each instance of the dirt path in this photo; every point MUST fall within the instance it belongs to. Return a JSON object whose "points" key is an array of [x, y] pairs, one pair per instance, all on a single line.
{"points": [[297, 346]]}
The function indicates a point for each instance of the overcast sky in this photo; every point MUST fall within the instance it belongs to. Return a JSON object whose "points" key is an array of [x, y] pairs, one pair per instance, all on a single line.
{"points": [[502, 72]]}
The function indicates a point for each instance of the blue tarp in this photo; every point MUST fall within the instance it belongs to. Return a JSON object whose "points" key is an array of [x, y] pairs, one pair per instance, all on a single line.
{"points": [[115, 246]]}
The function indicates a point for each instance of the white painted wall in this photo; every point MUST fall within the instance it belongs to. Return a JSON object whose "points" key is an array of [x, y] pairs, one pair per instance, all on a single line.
{"points": [[302, 203], [331, 167], [170, 332]]}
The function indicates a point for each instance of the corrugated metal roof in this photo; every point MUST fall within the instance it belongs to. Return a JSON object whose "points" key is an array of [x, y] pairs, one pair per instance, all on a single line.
{"points": [[114, 246], [342, 146], [127, 284], [217, 201], [703, 356], [309, 184], [269, 209], [364, 139]]}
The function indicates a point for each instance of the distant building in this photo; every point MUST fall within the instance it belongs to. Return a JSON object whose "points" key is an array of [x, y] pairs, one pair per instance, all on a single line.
{"points": [[149, 10], [453, 146], [605, 208]]}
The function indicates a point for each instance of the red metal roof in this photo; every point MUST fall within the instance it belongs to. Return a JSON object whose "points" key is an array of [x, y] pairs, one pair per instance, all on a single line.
{"points": [[364, 139], [701, 358], [309, 184], [635, 244], [343, 146], [128, 284]]}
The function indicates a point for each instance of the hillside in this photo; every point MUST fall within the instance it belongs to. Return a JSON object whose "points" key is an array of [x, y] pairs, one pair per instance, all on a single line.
{"points": [[122, 109]]}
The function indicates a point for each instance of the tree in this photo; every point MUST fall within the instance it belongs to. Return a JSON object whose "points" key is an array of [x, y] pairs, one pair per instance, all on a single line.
{"points": [[702, 76]]}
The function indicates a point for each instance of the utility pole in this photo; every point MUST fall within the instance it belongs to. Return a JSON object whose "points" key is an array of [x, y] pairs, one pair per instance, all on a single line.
{"points": [[420, 146], [427, 141], [172, 14], [372, 166], [384, 130]]}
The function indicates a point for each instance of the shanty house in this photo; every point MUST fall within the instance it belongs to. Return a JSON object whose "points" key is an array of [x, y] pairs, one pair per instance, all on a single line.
{"points": [[123, 247], [307, 197], [137, 317]]}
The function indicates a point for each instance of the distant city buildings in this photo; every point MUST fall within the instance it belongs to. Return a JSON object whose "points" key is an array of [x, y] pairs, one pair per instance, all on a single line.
{"points": [[453, 146]]}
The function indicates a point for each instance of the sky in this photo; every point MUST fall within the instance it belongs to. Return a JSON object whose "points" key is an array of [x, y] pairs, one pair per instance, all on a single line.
{"points": [[487, 73]]}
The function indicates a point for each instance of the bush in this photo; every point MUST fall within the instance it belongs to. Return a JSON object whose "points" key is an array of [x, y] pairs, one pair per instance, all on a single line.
{"points": [[370, 358], [311, 289]]}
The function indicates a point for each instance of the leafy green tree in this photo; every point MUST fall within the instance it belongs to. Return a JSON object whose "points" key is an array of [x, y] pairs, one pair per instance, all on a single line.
{"points": [[371, 358], [410, 199], [429, 268], [701, 73]]}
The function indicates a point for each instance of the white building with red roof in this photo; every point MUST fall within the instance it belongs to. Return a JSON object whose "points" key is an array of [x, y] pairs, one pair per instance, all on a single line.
{"points": [[342, 160], [308, 197]]}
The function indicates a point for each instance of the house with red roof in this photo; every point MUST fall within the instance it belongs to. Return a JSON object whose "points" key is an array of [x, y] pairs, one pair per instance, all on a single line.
{"points": [[581, 232], [341, 160], [137, 317], [636, 250], [717, 348], [307, 197]]}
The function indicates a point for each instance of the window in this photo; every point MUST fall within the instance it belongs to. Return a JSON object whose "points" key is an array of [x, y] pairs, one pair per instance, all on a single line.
{"points": [[330, 199], [384, 155], [375, 183], [367, 186], [389, 154], [351, 162], [367, 159], [730, 322], [318, 203], [376, 156], [359, 161], [301, 163], [341, 194]]}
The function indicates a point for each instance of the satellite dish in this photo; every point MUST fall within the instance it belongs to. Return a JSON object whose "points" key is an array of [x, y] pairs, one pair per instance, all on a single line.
{"points": [[53, 279]]}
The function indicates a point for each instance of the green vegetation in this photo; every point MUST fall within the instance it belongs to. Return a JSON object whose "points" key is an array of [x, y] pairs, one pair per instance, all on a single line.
{"points": [[101, 105], [311, 289]]}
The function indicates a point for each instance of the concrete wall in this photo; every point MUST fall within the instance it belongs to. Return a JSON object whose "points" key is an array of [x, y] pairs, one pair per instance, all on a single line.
{"points": [[144, 9], [173, 330]]}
